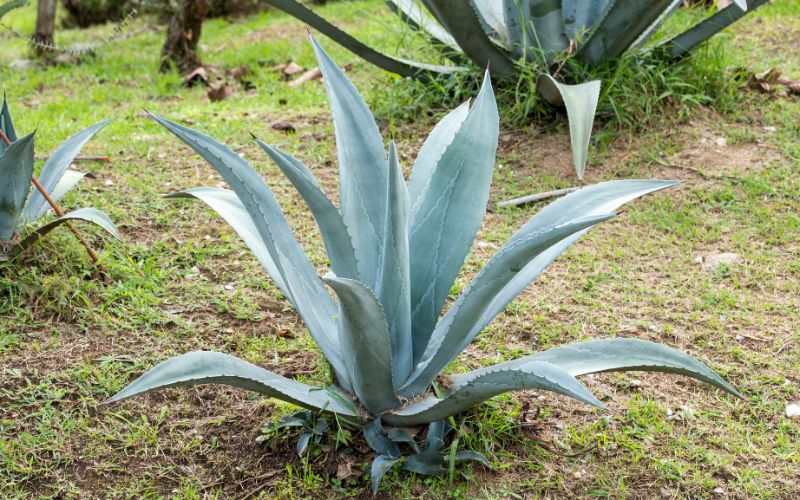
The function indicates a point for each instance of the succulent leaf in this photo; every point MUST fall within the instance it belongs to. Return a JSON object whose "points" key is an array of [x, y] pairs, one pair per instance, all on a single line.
{"points": [[207, 367], [366, 348], [54, 169], [476, 386], [378, 439], [417, 18], [380, 466], [16, 171], [334, 232], [88, 214], [69, 180], [467, 317], [448, 213], [394, 288], [432, 149], [306, 292], [232, 210], [581, 103], [363, 168], [461, 19], [6, 124], [581, 16], [596, 356], [546, 27]]}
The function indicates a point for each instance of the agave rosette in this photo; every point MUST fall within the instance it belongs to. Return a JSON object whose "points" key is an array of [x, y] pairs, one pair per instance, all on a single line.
{"points": [[395, 249], [19, 207]]}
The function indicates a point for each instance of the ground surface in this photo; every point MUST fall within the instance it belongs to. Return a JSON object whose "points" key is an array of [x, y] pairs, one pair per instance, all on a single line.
{"points": [[184, 281]]}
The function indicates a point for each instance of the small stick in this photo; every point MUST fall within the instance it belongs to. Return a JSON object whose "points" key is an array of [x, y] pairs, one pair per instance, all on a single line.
{"points": [[57, 209], [531, 198], [103, 158]]}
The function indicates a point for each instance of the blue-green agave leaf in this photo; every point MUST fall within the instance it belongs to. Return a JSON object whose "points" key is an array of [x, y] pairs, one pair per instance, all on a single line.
{"points": [[232, 210], [467, 317], [364, 338], [463, 22], [432, 149], [473, 456], [681, 44], [54, 169], [401, 436], [207, 367], [581, 103], [379, 440], [380, 466], [493, 14], [69, 180], [391, 64], [417, 18], [88, 214], [16, 170], [516, 14], [448, 213], [334, 232], [394, 288], [609, 355], [581, 16], [363, 168], [6, 124], [546, 27], [434, 441], [477, 386], [645, 36], [625, 22], [425, 464], [304, 288]]}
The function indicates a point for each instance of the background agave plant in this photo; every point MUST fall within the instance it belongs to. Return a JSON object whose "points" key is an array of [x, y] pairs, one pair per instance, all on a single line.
{"points": [[20, 207], [395, 249]]}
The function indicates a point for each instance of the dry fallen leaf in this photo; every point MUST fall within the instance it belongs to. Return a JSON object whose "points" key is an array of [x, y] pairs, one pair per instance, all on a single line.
{"points": [[220, 93], [771, 82], [292, 69], [284, 126]]}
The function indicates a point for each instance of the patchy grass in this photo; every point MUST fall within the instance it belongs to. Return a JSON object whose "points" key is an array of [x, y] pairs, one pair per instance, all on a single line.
{"points": [[184, 281]]}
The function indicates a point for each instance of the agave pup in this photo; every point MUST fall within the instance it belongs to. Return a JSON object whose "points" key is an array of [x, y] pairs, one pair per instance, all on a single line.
{"points": [[395, 248], [19, 207]]}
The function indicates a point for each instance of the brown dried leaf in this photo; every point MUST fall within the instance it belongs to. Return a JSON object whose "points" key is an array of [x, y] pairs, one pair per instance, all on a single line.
{"points": [[220, 93]]}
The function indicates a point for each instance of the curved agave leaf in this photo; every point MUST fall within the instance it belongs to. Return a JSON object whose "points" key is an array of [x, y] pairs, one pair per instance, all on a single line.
{"points": [[581, 103], [492, 12], [476, 386], [363, 168], [463, 321], [683, 43], [378, 439], [16, 170], [625, 22], [380, 466], [547, 23], [393, 65], [581, 16], [516, 15], [69, 180], [6, 124], [232, 210], [394, 288], [432, 149], [88, 214], [463, 22], [208, 367], [54, 169], [610, 355], [413, 15], [448, 213], [304, 289], [645, 36], [334, 232], [364, 337]]}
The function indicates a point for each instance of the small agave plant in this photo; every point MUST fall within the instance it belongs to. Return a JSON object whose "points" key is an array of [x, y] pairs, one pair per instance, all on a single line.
{"points": [[19, 207], [395, 249]]}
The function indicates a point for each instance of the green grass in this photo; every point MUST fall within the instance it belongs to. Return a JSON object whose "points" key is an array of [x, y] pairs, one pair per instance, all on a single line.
{"points": [[184, 281]]}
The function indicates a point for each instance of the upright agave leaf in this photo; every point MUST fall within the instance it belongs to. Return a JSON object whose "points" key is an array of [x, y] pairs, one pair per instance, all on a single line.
{"points": [[16, 170]]}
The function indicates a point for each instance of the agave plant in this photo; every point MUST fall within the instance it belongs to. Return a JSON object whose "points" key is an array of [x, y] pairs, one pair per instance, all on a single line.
{"points": [[395, 249], [19, 207], [506, 35]]}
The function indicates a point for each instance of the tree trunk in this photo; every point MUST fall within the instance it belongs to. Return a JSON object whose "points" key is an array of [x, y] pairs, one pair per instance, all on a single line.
{"points": [[45, 25], [183, 35]]}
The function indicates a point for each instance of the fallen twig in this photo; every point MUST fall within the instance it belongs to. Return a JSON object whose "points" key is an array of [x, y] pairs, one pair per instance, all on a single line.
{"points": [[531, 198], [306, 77], [103, 158]]}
